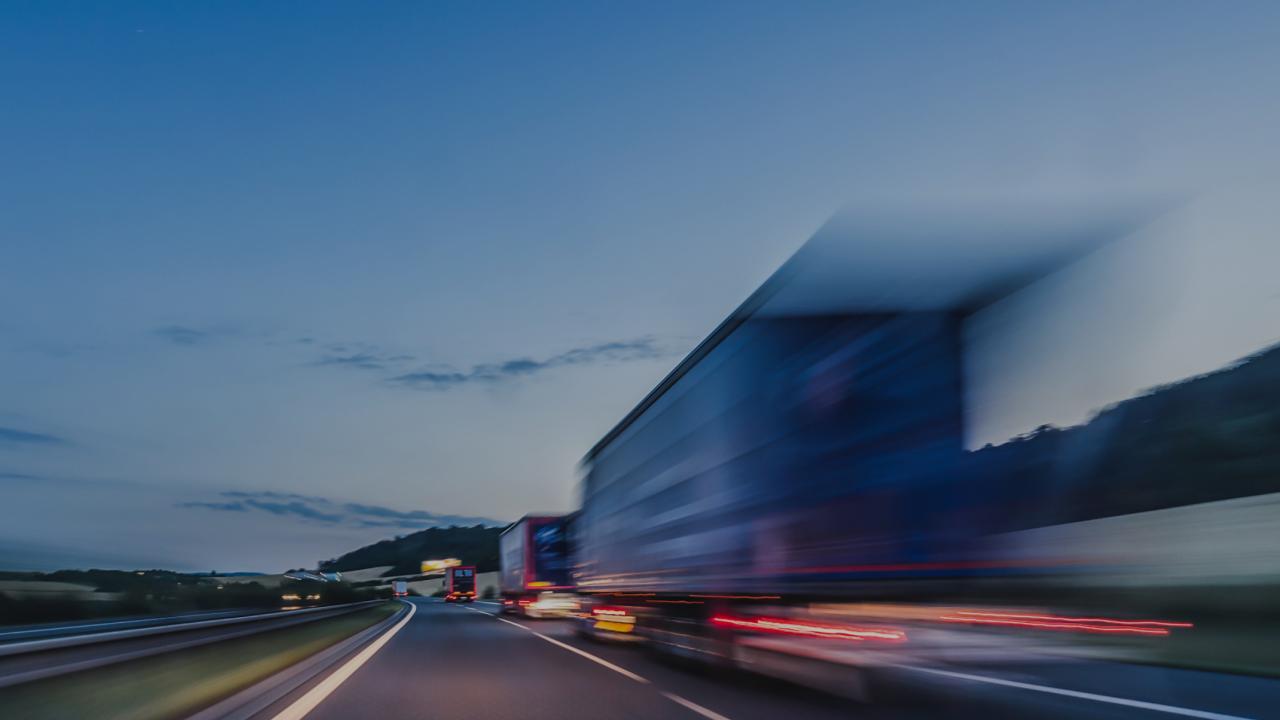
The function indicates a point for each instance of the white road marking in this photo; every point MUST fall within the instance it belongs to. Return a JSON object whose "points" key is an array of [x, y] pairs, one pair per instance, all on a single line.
{"points": [[598, 660], [687, 704], [713, 715], [317, 694], [1155, 707]]}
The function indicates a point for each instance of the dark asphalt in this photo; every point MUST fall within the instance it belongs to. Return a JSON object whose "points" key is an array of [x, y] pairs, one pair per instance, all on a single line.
{"points": [[461, 662]]}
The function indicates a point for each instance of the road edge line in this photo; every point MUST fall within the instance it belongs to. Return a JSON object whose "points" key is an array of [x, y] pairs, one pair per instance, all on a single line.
{"points": [[316, 695]]}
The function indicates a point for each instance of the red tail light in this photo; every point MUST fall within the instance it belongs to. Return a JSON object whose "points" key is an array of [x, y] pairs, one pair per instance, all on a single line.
{"points": [[609, 611]]}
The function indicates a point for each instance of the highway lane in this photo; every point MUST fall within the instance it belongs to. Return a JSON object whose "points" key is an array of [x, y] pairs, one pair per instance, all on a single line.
{"points": [[463, 662]]}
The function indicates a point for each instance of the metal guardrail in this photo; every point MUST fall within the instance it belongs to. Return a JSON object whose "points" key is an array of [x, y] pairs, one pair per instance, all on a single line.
{"points": [[249, 703], [56, 643]]}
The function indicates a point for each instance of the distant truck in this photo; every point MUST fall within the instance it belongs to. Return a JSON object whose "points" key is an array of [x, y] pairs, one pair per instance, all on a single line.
{"points": [[535, 578], [401, 588], [460, 584]]}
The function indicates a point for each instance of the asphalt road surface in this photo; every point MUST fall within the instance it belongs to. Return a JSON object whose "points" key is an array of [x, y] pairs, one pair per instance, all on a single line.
{"points": [[451, 661]]}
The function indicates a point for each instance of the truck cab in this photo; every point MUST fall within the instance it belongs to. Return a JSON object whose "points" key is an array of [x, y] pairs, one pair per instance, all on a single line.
{"points": [[460, 584]]}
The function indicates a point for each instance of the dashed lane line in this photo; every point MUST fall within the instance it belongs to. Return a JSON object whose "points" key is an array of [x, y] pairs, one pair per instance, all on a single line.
{"points": [[695, 707], [683, 702], [1141, 704]]}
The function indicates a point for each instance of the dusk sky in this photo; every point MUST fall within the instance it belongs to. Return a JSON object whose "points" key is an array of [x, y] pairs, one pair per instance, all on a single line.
{"points": [[281, 279]]}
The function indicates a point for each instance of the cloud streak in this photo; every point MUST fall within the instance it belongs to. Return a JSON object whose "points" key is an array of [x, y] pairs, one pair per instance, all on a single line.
{"points": [[182, 335], [15, 437], [310, 508], [617, 351], [364, 360]]}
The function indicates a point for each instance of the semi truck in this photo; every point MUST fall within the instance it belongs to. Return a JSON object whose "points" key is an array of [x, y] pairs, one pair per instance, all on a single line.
{"points": [[918, 431], [534, 555], [400, 588], [460, 584]]}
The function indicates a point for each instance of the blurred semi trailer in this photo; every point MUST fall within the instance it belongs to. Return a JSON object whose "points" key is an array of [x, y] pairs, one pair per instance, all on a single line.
{"points": [[927, 416], [535, 574]]}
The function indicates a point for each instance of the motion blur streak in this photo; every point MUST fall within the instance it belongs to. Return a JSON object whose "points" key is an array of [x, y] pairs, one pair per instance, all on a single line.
{"points": [[1054, 618], [1058, 626], [619, 612], [791, 627]]}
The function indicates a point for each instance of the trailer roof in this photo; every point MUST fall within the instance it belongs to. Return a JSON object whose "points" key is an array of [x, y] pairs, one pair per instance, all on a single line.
{"points": [[941, 254], [534, 516]]}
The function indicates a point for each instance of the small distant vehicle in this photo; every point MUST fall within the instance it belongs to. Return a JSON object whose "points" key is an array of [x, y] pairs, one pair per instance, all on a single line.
{"points": [[460, 584], [401, 588]]}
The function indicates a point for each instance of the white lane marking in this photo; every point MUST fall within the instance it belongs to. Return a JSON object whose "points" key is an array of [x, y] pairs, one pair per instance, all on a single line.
{"points": [[711, 714], [687, 704], [1156, 707], [317, 694], [597, 660]]}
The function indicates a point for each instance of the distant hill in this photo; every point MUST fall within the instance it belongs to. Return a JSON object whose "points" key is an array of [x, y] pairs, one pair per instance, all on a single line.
{"points": [[476, 545], [1211, 437]]}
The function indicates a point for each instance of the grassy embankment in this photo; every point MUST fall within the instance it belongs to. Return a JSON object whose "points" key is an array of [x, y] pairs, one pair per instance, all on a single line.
{"points": [[176, 684]]}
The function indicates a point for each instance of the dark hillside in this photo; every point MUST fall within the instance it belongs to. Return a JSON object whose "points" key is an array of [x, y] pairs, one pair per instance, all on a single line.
{"points": [[476, 545]]}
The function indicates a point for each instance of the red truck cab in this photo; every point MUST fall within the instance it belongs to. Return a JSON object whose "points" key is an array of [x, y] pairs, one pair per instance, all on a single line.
{"points": [[460, 584]]}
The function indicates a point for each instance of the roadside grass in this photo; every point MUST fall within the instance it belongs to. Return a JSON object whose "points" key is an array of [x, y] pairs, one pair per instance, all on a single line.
{"points": [[174, 685]]}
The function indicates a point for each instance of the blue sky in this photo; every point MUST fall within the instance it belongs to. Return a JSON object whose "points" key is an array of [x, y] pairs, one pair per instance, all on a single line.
{"points": [[282, 278]]}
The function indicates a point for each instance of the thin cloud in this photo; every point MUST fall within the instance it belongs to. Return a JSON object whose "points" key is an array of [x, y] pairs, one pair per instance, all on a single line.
{"points": [[617, 351], [226, 506], [411, 516], [182, 335], [311, 508], [357, 355], [16, 437], [296, 507], [364, 360]]}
